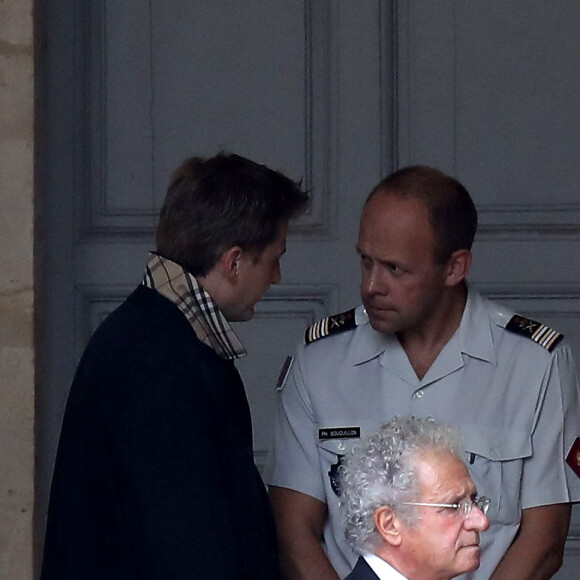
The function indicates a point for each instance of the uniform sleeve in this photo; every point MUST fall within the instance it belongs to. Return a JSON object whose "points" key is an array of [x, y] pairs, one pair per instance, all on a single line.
{"points": [[547, 478], [294, 462]]}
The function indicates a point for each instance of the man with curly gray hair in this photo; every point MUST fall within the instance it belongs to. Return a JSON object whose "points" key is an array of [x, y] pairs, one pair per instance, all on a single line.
{"points": [[410, 507]]}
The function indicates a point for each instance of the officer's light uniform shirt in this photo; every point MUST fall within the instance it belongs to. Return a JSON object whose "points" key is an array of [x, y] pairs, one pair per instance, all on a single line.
{"points": [[516, 404]]}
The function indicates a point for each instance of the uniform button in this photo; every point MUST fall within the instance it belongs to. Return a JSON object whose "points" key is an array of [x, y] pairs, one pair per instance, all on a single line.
{"points": [[419, 394], [341, 446]]}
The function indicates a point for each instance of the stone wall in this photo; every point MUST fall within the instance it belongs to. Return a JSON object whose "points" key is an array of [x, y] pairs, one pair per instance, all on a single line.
{"points": [[16, 289]]}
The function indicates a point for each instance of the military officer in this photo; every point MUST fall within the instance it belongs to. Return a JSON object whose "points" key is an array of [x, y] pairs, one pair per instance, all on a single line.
{"points": [[424, 343]]}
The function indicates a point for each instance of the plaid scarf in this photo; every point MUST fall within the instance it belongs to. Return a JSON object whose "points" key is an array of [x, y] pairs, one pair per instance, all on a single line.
{"points": [[208, 323]]}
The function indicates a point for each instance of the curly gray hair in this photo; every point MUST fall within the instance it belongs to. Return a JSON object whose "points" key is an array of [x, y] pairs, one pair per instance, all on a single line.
{"points": [[380, 471]]}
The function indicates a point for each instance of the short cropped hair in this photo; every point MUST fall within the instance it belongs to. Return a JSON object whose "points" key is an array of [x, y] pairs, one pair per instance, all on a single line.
{"points": [[215, 203], [452, 213], [381, 471]]}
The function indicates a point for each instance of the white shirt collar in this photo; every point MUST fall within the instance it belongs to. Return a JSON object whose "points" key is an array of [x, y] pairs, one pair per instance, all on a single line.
{"points": [[382, 569]]}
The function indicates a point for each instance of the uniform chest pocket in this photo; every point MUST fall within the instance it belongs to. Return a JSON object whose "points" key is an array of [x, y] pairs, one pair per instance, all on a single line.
{"points": [[495, 459], [331, 453]]}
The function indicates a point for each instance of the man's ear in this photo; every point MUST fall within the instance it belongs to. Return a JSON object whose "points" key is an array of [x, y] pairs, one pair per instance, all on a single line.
{"points": [[457, 267], [230, 262], [387, 525]]}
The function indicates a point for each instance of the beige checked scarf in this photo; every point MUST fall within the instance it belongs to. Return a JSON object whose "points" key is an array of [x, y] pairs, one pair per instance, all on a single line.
{"points": [[208, 323]]}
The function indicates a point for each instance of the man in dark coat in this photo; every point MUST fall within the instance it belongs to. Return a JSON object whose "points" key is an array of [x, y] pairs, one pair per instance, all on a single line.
{"points": [[154, 476]]}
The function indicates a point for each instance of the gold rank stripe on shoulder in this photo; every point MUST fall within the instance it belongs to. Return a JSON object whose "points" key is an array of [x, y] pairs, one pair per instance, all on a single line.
{"points": [[537, 331], [331, 325]]}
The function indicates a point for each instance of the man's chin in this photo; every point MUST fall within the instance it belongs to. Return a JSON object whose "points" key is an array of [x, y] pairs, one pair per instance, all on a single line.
{"points": [[472, 555], [382, 322], [241, 316]]}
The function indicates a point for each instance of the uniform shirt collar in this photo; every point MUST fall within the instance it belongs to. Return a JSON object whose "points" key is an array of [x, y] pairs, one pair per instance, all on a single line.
{"points": [[180, 287], [474, 336], [369, 343]]}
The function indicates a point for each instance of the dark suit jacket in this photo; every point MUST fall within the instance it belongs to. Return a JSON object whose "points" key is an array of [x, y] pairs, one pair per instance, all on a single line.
{"points": [[154, 476], [362, 571]]}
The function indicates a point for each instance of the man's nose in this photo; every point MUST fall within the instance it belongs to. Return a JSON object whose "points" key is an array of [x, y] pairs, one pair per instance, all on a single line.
{"points": [[476, 520], [372, 283]]}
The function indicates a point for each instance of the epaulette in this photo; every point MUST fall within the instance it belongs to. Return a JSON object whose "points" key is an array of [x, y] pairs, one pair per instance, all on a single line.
{"points": [[331, 325], [537, 331]]}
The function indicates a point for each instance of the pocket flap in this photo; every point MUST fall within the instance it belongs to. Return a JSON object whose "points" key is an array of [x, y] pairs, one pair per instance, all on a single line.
{"points": [[338, 446], [497, 444]]}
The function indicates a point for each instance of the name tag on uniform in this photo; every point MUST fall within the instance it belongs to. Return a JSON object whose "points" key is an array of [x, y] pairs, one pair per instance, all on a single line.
{"points": [[339, 433]]}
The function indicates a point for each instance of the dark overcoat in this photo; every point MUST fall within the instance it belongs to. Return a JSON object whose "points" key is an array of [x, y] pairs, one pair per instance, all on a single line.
{"points": [[154, 476], [362, 571]]}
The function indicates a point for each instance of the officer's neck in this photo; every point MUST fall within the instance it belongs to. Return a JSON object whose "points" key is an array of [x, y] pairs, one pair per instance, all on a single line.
{"points": [[424, 342]]}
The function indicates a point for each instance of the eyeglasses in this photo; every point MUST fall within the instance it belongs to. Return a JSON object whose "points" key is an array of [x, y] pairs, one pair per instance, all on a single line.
{"points": [[463, 508]]}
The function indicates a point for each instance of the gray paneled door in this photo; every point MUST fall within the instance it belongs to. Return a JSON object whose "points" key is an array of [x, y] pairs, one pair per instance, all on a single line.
{"points": [[331, 91], [134, 87], [487, 92]]}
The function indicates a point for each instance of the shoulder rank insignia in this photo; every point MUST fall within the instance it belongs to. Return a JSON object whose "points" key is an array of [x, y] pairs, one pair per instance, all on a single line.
{"points": [[537, 331], [331, 325]]}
